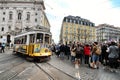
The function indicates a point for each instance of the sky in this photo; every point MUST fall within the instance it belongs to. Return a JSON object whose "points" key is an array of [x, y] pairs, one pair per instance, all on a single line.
{"points": [[97, 11]]}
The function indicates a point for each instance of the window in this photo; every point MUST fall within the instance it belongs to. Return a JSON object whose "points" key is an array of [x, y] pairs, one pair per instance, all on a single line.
{"points": [[24, 7], [19, 16], [2, 29], [39, 37], [3, 13], [74, 21], [7, 7], [1, 36], [35, 20], [3, 19], [32, 38], [9, 28], [10, 15], [28, 16], [70, 21], [66, 20], [1, 7], [83, 23]]}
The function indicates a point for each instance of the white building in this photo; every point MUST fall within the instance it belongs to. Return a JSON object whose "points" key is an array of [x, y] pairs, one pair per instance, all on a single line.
{"points": [[17, 15], [106, 32]]}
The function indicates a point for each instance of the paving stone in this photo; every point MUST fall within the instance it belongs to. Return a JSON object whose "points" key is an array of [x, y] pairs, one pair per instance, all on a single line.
{"points": [[84, 71]]}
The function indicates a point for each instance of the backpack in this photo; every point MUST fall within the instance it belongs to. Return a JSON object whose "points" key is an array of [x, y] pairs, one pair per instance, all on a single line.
{"points": [[98, 50]]}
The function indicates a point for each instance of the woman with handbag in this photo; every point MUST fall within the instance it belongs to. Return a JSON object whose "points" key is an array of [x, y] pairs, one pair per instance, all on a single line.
{"points": [[95, 55], [73, 53]]}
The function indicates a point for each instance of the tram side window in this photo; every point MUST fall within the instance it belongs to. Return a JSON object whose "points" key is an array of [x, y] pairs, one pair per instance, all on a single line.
{"points": [[24, 39], [20, 41], [32, 38], [39, 37], [47, 38], [17, 41]]}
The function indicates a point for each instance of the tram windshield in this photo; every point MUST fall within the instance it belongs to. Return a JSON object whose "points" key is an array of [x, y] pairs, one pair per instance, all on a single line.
{"points": [[43, 39], [39, 38]]}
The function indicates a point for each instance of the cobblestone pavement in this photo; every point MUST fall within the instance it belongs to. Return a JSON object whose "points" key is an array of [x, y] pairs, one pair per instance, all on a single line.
{"points": [[84, 72]]}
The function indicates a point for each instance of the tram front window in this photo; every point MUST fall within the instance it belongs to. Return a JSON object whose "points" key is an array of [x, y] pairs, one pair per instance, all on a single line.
{"points": [[47, 38], [39, 37]]}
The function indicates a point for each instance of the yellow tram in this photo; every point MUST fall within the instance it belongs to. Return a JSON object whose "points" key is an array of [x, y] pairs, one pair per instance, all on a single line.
{"points": [[33, 43]]}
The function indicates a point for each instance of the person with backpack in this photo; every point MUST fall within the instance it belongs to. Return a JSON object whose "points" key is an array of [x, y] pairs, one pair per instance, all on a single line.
{"points": [[96, 51]]}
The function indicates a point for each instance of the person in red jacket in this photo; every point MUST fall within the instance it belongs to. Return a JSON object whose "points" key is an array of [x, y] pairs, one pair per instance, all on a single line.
{"points": [[87, 51]]}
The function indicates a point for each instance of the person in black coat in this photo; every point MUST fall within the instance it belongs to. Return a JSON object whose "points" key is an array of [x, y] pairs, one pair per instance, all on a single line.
{"points": [[62, 51], [104, 54], [67, 51]]}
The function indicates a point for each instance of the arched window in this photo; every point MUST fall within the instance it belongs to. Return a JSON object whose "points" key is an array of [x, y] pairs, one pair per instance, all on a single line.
{"points": [[19, 16], [28, 16], [2, 29], [9, 27], [10, 15]]}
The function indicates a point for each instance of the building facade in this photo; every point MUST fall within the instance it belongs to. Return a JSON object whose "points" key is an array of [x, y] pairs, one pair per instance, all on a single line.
{"points": [[106, 32], [19, 15], [77, 29]]}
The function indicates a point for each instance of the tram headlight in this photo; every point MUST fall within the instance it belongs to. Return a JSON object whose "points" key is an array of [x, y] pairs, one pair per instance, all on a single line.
{"points": [[46, 50]]}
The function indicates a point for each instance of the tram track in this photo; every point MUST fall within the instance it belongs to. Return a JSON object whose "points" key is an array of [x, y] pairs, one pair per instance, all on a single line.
{"points": [[10, 73], [49, 76], [11, 66], [8, 59], [62, 71], [14, 70], [54, 73]]}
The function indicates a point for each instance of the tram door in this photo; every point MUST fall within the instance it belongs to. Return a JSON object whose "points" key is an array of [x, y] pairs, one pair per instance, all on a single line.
{"points": [[31, 43]]}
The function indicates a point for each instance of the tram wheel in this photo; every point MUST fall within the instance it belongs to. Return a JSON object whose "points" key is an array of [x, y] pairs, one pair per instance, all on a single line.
{"points": [[29, 59], [14, 53]]}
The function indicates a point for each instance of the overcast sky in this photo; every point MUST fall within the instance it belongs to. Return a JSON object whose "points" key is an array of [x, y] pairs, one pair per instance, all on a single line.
{"points": [[97, 11]]}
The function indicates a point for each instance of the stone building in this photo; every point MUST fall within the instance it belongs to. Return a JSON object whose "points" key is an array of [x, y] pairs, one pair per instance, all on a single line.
{"points": [[107, 32], [19, 15], [77, 29]]}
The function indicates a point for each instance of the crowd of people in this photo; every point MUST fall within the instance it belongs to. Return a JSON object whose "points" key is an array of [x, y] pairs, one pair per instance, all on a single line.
{"points": [[93, 54]]}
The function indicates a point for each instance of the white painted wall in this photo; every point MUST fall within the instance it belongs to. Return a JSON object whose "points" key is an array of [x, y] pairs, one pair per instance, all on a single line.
{"points": [[15, 8]]}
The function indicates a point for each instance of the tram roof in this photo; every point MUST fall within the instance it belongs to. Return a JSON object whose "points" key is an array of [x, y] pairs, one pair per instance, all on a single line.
{"points": [[32, 32]]}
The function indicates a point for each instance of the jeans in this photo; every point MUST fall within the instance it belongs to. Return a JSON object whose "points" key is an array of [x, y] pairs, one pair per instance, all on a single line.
{"points": [[95, 58]]}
